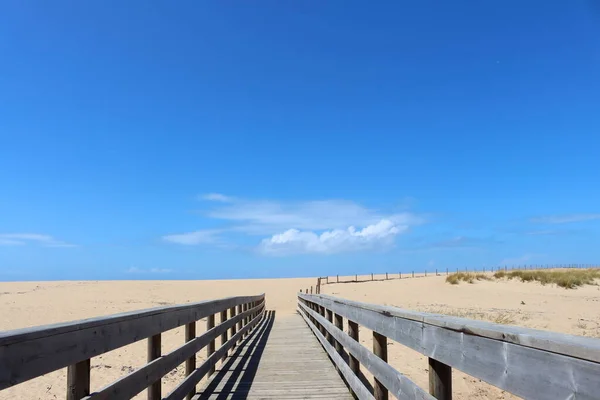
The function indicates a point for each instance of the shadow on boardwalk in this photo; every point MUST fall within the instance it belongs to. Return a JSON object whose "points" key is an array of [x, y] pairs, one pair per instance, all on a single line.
{"points": [[234, 379]]}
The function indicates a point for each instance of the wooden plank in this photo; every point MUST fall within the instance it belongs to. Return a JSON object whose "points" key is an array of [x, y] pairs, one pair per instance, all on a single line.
{"points": [[190, 382], [339, 323], [210, 348], [518, 369], [190, 363], [353, 381], [241, 322], [281, 360], [154, 352], [78, 380], [133, 383], [28, 353], [353, 333], [224, 334], [399, 385], [584, 348], [440, 380], [380, 350]]}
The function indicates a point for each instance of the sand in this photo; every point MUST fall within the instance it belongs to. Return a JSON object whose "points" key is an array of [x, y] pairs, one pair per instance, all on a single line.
{"points": [[526, 304]]}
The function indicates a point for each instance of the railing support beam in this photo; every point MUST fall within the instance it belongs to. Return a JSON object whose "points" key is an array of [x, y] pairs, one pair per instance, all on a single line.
{"points": [[380, 350], [78, 380], [210, 349], [440, 380], [154, 352]]}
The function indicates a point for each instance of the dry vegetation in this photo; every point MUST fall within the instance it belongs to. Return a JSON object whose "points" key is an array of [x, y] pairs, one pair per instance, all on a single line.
{"points": [[568, 279]]}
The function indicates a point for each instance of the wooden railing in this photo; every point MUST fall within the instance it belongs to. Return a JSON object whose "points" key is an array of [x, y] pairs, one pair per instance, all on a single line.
{"points": [[529, 363], [28, 353]]}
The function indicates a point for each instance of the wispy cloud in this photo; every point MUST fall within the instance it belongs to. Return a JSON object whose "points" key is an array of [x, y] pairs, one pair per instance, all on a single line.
{"points": [[565, 219], [20, 239], [543, 232], [217, 197], [136, 270], [294, 241], [193, 238], [319, 226]]}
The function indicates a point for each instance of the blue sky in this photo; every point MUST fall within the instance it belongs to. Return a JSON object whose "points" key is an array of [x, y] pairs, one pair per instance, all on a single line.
{"points": [[200, 140]]}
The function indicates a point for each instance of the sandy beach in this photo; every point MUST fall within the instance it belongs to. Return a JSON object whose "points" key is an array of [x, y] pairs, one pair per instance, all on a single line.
{"points": [[525, 304]]}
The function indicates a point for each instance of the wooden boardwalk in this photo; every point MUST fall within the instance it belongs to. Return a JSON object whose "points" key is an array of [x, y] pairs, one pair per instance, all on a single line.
{"points": [[281, 359]]}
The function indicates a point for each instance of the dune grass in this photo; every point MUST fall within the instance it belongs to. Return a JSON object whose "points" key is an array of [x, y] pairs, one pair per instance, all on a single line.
{"points": [[568, 279]]}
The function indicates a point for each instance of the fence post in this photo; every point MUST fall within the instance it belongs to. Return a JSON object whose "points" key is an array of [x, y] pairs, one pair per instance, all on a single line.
{"points": [[78, 378], [240, 322], [337, 279], [371, 276], [446, 271], [440, 380], [339, 323], [436, 274], [233, 327], [353, 333], [356, 277], [154, 390], [327, 279], [399, 275], [413, 274], [311, 290], [328, 335], [210, 349], [380, 350], [224, 334], [190, 363], [425, 272], [386, 276]]}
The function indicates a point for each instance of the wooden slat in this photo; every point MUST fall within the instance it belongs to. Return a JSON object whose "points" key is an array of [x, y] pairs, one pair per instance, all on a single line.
{"points": [[281, 360], [518, 369], [78, 380], [380, 350], [190, 363], [440, 380], [154, 353], [28, 353], [353, 381], [190, 382], [133, 383], [399, 385]]}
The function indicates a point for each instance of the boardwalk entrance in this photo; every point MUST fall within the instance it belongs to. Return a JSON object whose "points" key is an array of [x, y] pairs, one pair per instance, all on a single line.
{"points": [[282, 359]]}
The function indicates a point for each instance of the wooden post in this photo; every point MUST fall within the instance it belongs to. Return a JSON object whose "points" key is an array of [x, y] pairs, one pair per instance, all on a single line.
{"points": [[386, 276], [233, 327], [356, 277], [190, 363], [327, 279], [446, 271], [311, 290], [154, 346], [380, 350], [339, 323], [337, 279], [224, 334], [78, 380], [353, 333], [371, 276], [399, 275], [210, 348], [425, 272], [413, 275], [436, 272], [440, 380], [328, 335], [240, 322], [321, 327]]}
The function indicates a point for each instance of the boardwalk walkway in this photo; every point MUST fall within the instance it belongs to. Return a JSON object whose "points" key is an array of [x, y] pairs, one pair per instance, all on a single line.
{"points": [[282, 359]]}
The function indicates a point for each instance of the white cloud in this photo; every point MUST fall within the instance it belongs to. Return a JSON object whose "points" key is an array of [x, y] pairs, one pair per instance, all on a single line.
{"points": [[19, 239], [136, 270], [193, 238], [565, 219], [519, 260], [294, 241], [217, 197]]}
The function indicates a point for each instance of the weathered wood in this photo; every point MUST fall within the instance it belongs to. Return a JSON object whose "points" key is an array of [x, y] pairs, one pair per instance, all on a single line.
{"points": [[210, 348], [31, 352], [190, 363], [353, 381], [240, 324], [133, 383], [232, 315], [440, 380], [399, 385], [329, 315], [519, 369], [353, 333], [190, 381], [78, 380], [154, 352], [224, 334], [339, 323], [380, 350], [245, 320]]}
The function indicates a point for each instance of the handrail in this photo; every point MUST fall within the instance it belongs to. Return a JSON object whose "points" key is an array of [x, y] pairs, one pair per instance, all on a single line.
{"points": [[529, 363], [28, 353]]}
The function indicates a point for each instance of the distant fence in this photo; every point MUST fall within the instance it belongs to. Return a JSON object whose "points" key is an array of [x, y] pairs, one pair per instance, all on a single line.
{"points": [[28, 353], [325, 280], [529, 363]]}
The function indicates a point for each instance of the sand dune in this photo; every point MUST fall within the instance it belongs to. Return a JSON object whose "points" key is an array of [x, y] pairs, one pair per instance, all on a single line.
{"points": [[525, 304]]}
